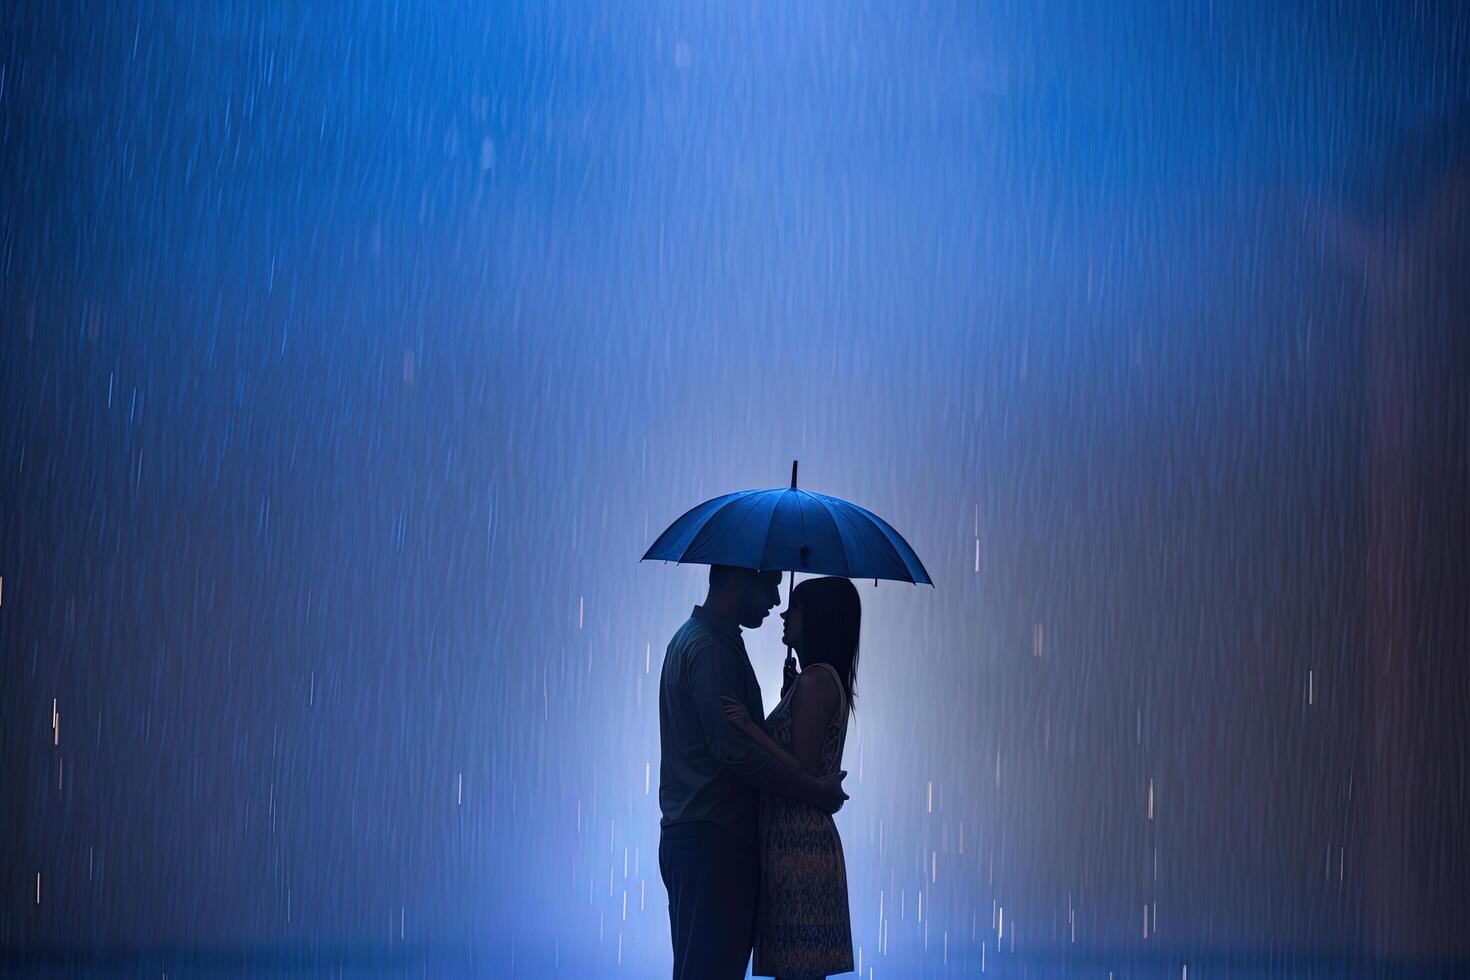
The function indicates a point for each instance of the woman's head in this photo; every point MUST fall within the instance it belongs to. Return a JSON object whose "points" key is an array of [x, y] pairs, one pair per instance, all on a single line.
{"points": [[822, 623]]}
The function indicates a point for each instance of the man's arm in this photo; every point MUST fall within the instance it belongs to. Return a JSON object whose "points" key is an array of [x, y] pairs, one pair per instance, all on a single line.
{"points": [[744, 723], [712, 674]]}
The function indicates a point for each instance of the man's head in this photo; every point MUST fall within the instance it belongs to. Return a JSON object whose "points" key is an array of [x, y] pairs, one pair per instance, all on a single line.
{"points": [[743, 594]]}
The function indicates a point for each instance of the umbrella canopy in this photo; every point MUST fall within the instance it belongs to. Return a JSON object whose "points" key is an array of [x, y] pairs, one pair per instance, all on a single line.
{"points": [[793, 530]]}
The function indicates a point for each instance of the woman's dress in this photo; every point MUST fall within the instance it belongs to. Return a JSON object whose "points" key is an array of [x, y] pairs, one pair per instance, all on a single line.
{"points": [[803, 929]]}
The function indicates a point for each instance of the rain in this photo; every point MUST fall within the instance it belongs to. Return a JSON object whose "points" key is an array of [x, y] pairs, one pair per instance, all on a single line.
{"points": [[353, 354]]}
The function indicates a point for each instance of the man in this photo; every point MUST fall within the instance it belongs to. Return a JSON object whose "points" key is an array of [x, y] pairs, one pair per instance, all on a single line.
{"points": [[711, 777]]}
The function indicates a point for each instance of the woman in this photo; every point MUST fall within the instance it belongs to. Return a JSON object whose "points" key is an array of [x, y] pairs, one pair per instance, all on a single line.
{"points": [[804, 930]]}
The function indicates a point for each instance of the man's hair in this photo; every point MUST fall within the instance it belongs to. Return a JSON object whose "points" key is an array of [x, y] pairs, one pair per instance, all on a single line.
{"points": [[720, 575]]}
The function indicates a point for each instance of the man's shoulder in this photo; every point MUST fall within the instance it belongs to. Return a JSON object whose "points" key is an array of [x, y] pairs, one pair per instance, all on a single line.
{"points": [[696, 639], [696, 635]]}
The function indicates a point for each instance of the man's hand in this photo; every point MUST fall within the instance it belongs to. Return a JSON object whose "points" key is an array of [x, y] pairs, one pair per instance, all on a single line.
{"points": [[830, 794]]}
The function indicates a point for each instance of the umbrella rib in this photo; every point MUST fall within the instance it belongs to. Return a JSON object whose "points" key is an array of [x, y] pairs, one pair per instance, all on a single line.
{"points": [[801, 516], [766, 544], [721, 502], [885, 529], [751, 497], [846, 562], [866, 550]]}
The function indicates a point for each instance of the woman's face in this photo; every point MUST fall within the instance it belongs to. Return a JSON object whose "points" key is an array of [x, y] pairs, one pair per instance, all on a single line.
{"points": [[791, 625]]}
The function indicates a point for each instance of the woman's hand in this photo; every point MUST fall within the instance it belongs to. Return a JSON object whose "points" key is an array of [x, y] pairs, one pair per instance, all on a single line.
{"points": [[788, 675], [736, 714]]}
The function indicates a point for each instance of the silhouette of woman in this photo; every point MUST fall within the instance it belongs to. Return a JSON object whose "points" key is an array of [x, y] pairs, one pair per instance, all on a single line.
{"points": [[804, 930]]}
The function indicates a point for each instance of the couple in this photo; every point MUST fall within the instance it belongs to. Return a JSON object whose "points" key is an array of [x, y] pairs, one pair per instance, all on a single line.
{"points": [[748, 850]]}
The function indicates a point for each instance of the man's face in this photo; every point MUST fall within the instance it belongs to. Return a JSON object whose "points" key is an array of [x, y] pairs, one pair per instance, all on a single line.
{"points": [[762, 594]]}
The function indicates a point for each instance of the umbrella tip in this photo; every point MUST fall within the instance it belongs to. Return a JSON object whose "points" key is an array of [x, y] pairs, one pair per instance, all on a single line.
{"points": [[793, 474]]}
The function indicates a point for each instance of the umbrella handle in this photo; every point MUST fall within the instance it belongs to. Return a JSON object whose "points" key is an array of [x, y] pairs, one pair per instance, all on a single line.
{"points": [[790, 585], [791, 576]]}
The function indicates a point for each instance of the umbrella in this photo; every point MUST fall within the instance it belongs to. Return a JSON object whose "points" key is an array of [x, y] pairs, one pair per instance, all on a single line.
{"points": [[790, 530]]}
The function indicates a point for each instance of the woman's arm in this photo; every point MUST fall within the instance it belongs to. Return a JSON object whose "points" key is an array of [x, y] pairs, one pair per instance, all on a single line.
{"points": [[736, 714], [782, 776], [814, 703]]}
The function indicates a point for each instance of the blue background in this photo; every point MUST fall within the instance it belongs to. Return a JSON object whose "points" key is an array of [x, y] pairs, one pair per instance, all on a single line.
{"points": [[354, 353]]}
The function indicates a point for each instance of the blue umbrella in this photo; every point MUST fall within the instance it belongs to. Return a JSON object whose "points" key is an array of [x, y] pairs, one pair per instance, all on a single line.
{"points": [[790, 530]]}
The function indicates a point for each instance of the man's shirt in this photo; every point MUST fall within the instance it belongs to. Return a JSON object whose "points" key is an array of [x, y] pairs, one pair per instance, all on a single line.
{"points": [[704, 760]]}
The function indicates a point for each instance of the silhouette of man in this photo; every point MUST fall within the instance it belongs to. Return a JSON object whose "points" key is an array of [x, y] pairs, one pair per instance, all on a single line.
{"points": [[711, 776]]}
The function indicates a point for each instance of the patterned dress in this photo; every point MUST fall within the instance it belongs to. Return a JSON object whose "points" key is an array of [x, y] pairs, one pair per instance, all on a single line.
{"points": [[803, 930]]}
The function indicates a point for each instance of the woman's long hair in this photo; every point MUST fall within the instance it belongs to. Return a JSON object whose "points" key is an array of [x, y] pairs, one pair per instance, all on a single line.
{"points": [[831, 620]]}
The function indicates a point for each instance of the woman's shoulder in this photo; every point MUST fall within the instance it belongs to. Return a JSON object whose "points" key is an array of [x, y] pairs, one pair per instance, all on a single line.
{"points": [[820, 683]]}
